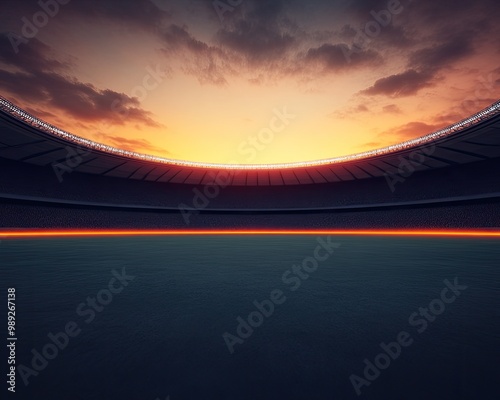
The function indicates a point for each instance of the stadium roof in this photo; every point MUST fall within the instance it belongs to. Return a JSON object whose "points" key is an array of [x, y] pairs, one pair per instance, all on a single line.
{"points": [[26, 138]]}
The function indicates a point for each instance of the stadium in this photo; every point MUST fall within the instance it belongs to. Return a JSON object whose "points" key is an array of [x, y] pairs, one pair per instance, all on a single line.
{"points": [[241, 200], [54, 179]]}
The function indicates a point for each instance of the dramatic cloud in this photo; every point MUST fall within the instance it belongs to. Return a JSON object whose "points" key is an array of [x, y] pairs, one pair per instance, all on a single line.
{"points": [[144, 14], [40, 79], [256, 43], [35, 55], [400, 85], [390, 36], [441, 55], [433, 61], [424, 65], [449, 12], [339, 57], [263, 39], [263, 32], [362, 8], [208, 63]]}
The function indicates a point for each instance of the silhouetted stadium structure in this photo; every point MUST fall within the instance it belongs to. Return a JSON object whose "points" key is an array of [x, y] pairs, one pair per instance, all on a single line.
{"points": [[53, 179]]}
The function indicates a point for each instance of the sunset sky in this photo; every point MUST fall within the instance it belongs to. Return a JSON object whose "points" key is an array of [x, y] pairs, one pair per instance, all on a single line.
{"points": [[199, 80]]}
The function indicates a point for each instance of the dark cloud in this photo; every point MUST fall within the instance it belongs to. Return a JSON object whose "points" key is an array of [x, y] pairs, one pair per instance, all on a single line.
{"points": [[347, 32], [397, 37], [254, 42], [136, 14], [35, 56], [39, 79], [362, 8], [261, 32], [177, 38], [455, 12], [336, 57], [389, 36], [434, 37], [208, 63], [269, 40], [268, 37], [442, 55], [264, 41], [423, 68], [404, 84], [144, 14]]}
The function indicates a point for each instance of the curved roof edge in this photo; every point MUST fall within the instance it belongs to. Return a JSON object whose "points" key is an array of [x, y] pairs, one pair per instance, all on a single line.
{"points": [[22, 115]]}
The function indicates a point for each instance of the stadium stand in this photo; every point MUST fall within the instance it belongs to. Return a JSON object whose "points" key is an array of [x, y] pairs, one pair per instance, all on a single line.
{"points": [[52, 178]]}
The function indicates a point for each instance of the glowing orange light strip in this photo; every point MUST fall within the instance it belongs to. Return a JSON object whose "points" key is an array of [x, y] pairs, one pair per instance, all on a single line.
{"points": [[116, 233]]}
